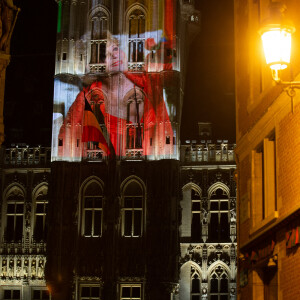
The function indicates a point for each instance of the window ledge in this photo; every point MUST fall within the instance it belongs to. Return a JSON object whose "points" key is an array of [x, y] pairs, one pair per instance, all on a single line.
{"points": [[264, 223]]}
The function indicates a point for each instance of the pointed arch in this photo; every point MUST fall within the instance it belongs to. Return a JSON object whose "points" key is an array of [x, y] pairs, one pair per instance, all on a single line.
{"points": [[39, 211], [100, 24], [91, 207], [136, 27], [216, 186], [218, 280], [218, 205], [192, 213], [133, 206], [13, 210]]}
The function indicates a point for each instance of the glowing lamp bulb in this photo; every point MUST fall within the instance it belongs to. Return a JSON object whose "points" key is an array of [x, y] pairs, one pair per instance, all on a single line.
{"points": [[277, 47]]}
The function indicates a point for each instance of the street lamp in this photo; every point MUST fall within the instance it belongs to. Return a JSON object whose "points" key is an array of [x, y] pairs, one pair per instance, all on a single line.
{"points": [[276, 34]]}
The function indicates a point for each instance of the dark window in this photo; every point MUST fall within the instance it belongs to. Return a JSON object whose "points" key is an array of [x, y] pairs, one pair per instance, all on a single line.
{"points": [[133, 210], [12, 294], [14, 220], [131, 292], [196, 227], [136, 36], [64, 56], [219, 221], [89, 293], [40, 227], [92, 210]]}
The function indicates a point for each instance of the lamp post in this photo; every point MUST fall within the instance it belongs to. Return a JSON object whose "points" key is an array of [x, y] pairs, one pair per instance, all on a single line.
{"points": [[276, 34]]}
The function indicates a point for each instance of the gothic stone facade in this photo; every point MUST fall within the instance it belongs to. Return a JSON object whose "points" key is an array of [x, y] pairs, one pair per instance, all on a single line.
{"points": [[24, 188]]}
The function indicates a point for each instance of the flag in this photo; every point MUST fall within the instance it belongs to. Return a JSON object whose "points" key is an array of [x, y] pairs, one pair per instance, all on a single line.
{"points": [[92, 131]]}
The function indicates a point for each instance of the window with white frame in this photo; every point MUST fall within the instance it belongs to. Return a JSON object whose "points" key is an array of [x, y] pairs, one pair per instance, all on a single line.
{"points": [[14, 294], [195, 284], [219, 212], [132, 211], [92, 210], [89, 292], [196, 228], [41, 294], [131, 292], [218, 284], [264, 180], [40, 211], [136, 42], [14, 215]]}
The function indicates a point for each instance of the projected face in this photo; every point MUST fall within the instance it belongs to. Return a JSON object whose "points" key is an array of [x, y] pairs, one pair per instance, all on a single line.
{"points": [[129, 109], [116, 58]]}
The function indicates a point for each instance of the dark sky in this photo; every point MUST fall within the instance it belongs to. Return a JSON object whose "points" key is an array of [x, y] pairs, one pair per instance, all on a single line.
{"points": [[209, 94]]}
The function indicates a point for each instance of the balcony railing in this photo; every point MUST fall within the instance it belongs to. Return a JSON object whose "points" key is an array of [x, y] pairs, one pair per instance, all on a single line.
{"points": [[27, 156], [207, 153]]}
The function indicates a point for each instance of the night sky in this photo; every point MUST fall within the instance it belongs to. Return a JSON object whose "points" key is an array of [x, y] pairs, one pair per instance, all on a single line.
{"points": [[209, 92]]}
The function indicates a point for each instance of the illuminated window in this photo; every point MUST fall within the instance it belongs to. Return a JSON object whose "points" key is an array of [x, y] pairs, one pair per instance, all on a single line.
{"points": [[196, 216], [136, 36], [15, 215], [89, 292], [99, 28], [92, 210], [41, 204], [219, 210], [134, 124], [195, 284], [11, 294], [218, 282], [132, 211], [40, 295], [131, 292]]}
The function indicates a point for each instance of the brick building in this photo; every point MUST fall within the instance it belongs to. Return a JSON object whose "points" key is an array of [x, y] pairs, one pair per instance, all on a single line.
{"points": [[267, 121]]}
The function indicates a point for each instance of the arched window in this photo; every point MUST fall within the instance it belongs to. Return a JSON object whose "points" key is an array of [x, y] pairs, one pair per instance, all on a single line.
{"points": [[219, 210], [134, 120], [92, 210], [99, 28], [14, 215], [218, 283], [136, 42], [195, 284], [132, 210], [40, 212], [196, 228]]}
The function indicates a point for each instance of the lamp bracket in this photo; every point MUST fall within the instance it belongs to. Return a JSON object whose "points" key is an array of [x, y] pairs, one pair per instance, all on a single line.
{"points": [[289, 86]]}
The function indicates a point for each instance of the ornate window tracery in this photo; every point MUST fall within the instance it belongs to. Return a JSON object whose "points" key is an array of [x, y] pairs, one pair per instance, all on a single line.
{"points": [[195, 284], [92, 210], [99, 32], [218, 283], [136, 39]]}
